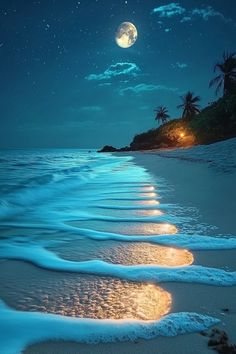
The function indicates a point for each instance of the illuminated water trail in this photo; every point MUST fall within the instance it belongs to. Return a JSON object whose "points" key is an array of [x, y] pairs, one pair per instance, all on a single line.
{"points": [[91, 236]]}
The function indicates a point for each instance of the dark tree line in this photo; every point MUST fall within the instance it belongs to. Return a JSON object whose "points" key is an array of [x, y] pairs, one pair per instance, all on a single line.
{"points": [[225, 81]]}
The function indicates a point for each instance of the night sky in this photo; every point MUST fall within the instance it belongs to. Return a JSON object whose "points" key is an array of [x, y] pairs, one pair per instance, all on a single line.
{"points": [[66, 83]]}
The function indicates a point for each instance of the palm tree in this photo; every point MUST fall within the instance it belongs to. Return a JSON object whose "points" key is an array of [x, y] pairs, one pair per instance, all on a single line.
{"points": [[227, 74], [189, 105], [162, 114]]}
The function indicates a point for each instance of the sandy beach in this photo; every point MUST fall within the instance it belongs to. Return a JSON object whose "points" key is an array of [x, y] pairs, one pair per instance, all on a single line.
{"points": [[117, 177], [199, 184], [187, 297], [211, 192]]}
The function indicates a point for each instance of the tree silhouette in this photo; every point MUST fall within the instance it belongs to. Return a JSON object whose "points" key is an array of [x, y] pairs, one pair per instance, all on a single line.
{"points": [[189, 105], [161, 114], [227, 74]]}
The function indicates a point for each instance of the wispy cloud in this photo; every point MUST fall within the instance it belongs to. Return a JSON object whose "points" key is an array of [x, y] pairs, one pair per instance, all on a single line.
{"points": [[91, 109], [88, 109], [170, 10], [179, 65], [103, 84], [186, 19], [146, 88], [175, 9], [207, 12], [118, 69]]}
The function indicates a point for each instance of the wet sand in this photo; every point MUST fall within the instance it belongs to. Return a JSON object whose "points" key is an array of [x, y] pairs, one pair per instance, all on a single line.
{"points": [[213, 193]]}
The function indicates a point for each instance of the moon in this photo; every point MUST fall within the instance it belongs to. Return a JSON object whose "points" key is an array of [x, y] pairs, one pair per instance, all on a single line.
{"points": [[126, 35]]}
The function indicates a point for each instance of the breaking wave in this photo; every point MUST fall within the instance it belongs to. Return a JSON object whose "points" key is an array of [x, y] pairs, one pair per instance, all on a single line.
{"points": [[99, 216]]}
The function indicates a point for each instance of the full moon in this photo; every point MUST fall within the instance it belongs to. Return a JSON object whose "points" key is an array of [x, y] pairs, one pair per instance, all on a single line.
{"points": [[126, 35]]}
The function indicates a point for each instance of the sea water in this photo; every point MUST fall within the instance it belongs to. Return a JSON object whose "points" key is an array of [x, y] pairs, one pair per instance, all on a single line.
{"points": [[87, 241]]}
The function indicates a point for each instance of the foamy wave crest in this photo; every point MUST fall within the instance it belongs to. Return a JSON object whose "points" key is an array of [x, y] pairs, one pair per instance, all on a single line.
{"points": [[191, 242], [136, 207], [55, 197], [50, 261], [38, 188], [35, 327], [146, 219]]}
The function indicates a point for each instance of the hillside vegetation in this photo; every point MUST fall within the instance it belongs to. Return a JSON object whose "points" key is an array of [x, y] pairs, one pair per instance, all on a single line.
{"points": [[197, 126], [214, 123]]}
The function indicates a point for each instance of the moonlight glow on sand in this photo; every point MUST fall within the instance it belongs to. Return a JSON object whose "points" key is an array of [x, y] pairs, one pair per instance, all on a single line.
{"points": [[126, 35]]}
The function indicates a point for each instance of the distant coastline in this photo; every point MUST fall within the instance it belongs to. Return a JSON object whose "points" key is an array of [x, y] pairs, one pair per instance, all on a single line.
{"points": [[214, 123]]}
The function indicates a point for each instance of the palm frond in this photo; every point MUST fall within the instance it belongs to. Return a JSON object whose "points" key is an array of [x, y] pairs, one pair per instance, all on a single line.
{"points": [[215, 80], [219, 86], [196, 99], [227, 70], [189, 105]]}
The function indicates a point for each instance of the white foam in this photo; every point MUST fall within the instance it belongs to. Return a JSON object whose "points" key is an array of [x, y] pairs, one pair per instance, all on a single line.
{"points": [[50, 261], [191, 242], [63, 180], [137, 207], [94, 217], [51, 203], [20, 329]]}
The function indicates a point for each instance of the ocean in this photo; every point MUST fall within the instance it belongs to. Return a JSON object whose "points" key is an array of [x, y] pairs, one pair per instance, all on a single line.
{"points": [[88, 241]]}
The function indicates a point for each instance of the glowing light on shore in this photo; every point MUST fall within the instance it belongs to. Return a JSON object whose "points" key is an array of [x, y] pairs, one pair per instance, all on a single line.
{"points": [[148, 202], [148, 229], [148, 189], [152, 301], [151, 212], [100, 298], [145, 253], [146, 194], [168, 229]]}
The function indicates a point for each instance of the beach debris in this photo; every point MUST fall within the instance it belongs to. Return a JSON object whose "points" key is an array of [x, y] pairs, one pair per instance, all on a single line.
{"points": [[225, 310], [219, 341]]}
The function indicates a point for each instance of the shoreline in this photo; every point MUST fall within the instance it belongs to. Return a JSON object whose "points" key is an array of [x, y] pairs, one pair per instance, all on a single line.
{"points": [[190, 192], [197, 185]]}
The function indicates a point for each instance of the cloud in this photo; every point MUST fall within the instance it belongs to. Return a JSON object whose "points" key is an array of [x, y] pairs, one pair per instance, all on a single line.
{"points": [[146, 88], [179, 65], [186, 19], [207, 12], [88, 109], [204, 13], [105, 84], [175, 9], [170, 10], [91, 109], [118, 69]]}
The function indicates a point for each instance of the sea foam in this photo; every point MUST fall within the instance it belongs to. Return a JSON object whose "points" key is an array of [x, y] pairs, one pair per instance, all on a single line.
{"points": [[36, 327], [44, 195], [140, 273]]}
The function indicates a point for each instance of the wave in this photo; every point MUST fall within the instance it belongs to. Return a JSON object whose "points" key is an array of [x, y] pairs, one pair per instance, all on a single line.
{"points": [[40, 185], [36, 327], [51, 192], [141, 273]]}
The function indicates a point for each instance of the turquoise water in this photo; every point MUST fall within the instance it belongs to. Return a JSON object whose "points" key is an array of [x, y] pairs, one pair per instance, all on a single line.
{"points": [[90, 236]]}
